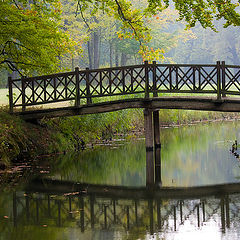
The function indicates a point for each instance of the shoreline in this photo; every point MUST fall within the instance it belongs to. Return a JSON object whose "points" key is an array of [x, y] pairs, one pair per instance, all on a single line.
{"points": [[22, 140]]}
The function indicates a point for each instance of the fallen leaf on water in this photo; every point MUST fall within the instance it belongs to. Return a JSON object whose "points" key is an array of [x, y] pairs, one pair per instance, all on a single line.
{"points": [[42, 171]]}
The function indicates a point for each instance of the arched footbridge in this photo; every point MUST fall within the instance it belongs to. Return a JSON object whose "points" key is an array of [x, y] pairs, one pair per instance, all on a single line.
{"points": [[151, 86]]}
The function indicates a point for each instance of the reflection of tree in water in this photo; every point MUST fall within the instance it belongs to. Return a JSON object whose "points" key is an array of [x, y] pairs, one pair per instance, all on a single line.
{"points": [[197, 155], [191, 155], [135, 211], [124, 165]]}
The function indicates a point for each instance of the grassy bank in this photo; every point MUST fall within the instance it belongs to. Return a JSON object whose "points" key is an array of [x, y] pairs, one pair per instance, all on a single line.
{"points": [[19, 139]]}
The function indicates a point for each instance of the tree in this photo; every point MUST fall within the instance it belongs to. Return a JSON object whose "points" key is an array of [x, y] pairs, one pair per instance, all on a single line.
{"points": [[30, 37], [209, 46], [133, 17], [105, 42]]}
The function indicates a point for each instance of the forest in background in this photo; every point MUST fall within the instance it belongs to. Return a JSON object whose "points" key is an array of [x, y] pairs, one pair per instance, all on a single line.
{"points": [[99, 41]]}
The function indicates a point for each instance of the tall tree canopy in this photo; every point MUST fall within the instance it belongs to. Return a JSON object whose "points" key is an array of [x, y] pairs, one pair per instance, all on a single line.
{"points": [[192, 11], [30, 37], [133, 16], [32, 40]]}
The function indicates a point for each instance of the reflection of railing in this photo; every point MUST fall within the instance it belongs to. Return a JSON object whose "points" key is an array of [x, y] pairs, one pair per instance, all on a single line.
{"points": [[148, 78], [107, 207]]}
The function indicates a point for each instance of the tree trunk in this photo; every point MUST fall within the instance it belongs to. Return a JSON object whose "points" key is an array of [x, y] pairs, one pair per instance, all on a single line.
{"points": [[116, 58], [96, 49], [110, 53], [235, 57], [123, 59], [90, 54]]}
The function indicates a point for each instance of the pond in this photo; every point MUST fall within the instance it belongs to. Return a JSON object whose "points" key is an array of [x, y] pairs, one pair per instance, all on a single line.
{"points": [[101, 193]]}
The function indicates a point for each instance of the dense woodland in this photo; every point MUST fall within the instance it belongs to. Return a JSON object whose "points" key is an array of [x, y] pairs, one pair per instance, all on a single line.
{"points": [[38, 38]]}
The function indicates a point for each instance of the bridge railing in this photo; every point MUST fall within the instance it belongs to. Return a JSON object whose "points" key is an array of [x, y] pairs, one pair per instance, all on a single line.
{"points": [[81, 86], [91, 211]]}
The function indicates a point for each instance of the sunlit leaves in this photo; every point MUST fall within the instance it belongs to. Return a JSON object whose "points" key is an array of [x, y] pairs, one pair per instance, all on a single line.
{"points": [[134, 16], [30, 36]]}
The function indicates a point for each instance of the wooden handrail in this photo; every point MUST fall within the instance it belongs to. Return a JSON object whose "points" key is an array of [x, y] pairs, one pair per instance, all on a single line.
{"points": [[147, 78]]}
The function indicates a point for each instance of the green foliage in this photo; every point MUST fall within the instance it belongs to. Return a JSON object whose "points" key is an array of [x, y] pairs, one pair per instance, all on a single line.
{"points": [[103, 165], [30, 37], [93, 127], [21, 139], [134, 16], [12, 138]]}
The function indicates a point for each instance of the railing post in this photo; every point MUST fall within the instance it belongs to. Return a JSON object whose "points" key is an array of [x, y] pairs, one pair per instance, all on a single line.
{"points": [[55, 88], [146, 79], [23, 95], [218, 80], [155, 94], [194, 78], [110, 81], [89, 100], [10, 94], [223, 79], [170, 78], [77, 100], [175, 68], [123, 80]]}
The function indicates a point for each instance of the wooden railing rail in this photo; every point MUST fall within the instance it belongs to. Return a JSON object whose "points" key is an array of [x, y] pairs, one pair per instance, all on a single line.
{"points": [[146, 79]]}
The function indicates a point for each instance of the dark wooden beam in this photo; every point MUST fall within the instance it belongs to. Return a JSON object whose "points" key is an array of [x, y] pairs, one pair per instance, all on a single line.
{"points": [[186, 103], [60, 187]]}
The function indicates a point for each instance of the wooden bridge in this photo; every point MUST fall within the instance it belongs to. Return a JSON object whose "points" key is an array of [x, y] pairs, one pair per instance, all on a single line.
{"points": [[153, 86], [101, 207], [148, 86]]}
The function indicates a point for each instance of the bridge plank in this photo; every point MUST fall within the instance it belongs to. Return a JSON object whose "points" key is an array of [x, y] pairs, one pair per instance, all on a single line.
{"points": [[187, 103]]}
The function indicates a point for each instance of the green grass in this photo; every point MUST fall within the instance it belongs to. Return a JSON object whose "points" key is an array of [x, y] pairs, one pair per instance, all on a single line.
{"points": [[3, 97]]}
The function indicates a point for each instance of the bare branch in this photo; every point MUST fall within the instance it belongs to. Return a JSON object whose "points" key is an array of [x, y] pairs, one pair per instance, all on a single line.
{"points": [[121, 14], [15, 3], [79, 8]]}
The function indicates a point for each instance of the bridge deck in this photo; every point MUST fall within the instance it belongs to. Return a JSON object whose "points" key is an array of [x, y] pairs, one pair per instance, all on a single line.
{"points": [[188, 103]]}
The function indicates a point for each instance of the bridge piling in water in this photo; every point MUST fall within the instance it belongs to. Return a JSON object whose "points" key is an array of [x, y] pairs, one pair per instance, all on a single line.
{"points": [[153, 146], [148, 128]]}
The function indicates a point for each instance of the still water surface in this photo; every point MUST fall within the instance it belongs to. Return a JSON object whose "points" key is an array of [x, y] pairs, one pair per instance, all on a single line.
{"points": [[102, 194]]}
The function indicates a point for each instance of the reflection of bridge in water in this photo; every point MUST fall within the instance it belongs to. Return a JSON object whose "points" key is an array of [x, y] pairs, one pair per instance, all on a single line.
{"points": [[99, 207]]}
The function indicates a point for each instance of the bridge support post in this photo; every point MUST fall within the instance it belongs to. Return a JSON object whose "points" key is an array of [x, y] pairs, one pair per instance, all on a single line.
{"points": [[223, 220], [219, 91], [157, 147], [153, 146], [23, 95], [10, 94], [77, 98], [148, 126]]}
